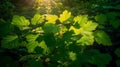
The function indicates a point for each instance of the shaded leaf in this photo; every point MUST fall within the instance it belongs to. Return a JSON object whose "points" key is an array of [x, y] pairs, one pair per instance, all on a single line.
{"points": [[115, 23], [10, 41], [34, 63], [118, 63], [101, 18], [117, 52], [102, 38], [51, 28]]}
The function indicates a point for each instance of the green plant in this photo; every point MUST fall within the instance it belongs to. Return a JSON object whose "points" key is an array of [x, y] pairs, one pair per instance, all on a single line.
{"points": [[53, 41]]}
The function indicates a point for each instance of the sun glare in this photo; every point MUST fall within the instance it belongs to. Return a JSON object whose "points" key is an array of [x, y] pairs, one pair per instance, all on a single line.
{"points": [[47, 5]]}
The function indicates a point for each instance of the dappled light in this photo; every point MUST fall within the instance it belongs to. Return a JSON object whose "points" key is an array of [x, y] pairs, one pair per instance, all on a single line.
{"points": [[59, 33]]}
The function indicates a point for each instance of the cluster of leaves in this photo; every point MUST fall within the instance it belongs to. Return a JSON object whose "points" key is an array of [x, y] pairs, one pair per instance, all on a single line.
{"points": [[52, 40], [111, 18]]}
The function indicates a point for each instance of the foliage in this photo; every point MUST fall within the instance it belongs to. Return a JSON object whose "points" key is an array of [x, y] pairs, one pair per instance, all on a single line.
{"points": [[57, 41]]}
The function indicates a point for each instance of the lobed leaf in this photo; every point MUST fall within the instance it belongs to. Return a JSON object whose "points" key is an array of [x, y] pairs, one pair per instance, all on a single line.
{"points": [[101, 18], [102, 38], [86, 40], [20, 21], [10, 41], [31, 37], [64, 16], [37, 19], [51, 18], [81, 19]]}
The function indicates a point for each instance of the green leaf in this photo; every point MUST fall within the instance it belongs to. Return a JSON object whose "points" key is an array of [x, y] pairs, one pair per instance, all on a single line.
{"points": [[117, 52], [37, 19], [118, 63], [102, 38], [101, 60], [86, 40], [90, 26], [81, 19], [95, 57], [31, 46], [51, 18], [34, 63], [51, 28], [111, 15], [10, 41], [43, 45], [31, 37], [20, 21], [115, 23], [72, 56], [101, 18], [64, 16]]}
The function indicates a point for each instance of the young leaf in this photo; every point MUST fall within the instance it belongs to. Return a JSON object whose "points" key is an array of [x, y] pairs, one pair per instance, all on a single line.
{"points": [[10, 41], [51, 18], [20, 21], [64, 16], [101, 18], [102, 38], [37, 19]]}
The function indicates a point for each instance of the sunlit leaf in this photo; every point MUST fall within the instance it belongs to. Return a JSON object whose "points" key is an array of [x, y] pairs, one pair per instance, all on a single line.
{"points": [[86, 40], [76, 31], [31, 37], [64, 16], [51, 18], [81, 19], [101, 18], [37, 19], [72, 56], [90, 26], [20, 21], [10, 41], [102, 38]]}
